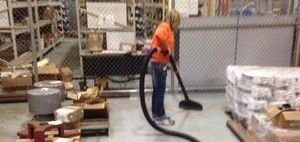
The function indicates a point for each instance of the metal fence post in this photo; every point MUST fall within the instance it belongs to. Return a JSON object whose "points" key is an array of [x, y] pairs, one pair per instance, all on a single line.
{"points": [[33, 42]]}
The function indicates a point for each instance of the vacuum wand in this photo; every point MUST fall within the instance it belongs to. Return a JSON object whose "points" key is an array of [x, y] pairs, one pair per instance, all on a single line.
{"points": [[175, 69], [187, 103]]}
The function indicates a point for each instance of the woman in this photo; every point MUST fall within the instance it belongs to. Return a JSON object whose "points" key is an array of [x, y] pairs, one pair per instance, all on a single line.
{"points": [[163, 40]]}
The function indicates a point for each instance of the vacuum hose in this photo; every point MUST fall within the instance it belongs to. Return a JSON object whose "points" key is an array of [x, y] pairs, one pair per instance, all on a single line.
{"points": [[144, 107]]}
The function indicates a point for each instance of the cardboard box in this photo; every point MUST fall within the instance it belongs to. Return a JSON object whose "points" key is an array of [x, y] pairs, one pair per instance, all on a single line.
{"points": [[49, 69], [95, 42], [90, 94], [72, 126], [283, 118], [96, 106], [23, 59], [73, 95], [267, 132], [66, 73], [5, 68], [68, 86], [19, 83], [127, 47], [99, 110], [49, 72], [69, 114], [48, 13]]}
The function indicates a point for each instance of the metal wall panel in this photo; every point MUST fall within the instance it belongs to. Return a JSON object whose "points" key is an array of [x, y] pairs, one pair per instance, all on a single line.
{"points": [[207, 22], [266, 20], [205, 54], [209, 45], [269, 45]]}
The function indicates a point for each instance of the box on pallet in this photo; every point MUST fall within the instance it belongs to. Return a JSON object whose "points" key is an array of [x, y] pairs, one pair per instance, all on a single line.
{"points": [[17, 80], [267, 132], [284, 118], [69, 114], [49, 72], [95, 41], [251, 89], [66, 73], [5, 68]]}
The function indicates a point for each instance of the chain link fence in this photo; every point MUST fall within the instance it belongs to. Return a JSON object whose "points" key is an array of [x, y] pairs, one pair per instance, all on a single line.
{"points": [[233, 32], [80, 41]]}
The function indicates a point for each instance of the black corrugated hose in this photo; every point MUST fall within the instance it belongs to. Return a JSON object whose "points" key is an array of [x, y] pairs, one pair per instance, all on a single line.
{"points": [[144, 107]]}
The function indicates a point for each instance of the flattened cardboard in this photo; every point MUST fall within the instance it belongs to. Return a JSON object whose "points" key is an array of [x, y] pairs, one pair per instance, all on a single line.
{"points": [[66, 74]]}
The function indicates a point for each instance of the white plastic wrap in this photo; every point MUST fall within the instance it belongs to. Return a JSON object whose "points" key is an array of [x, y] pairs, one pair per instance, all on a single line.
{"points": [[69, 114], [295, 103], [234, 73], [258, 77], [284, 95], [242, 108], [280, 80], [263, 93], [243, 93], [257, 106], [258, 126], [230, 96]]}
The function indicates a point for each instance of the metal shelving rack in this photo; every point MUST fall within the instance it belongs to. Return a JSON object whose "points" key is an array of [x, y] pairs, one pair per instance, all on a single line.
{"points": [[83, 31], [149, 7], [15, 30]]}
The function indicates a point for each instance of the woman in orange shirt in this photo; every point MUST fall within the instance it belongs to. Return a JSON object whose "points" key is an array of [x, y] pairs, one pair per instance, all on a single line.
{"points": [[163, 40]]}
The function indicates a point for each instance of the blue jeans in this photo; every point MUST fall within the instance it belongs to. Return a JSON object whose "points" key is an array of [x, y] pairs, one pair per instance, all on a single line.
{"points": [[159, 76]]}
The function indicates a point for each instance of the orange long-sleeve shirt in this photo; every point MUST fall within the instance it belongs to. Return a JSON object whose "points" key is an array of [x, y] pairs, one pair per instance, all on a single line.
{"points": [[164, 39]]}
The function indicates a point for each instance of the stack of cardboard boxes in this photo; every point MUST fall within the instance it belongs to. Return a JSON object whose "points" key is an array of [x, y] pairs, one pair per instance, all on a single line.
{"points": [[21, 79], [265, 99]]}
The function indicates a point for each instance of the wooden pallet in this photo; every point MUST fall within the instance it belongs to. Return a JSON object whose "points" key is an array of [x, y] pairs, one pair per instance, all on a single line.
{"points": [[94, 127], [50, 137], [239, 129], [12, 97], [95, 121], [115, 95], [240, 132]]}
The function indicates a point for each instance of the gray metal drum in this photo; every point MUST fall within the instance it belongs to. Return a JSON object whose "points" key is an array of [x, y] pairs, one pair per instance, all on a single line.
{"points": [[52, 84], [43, 101]]}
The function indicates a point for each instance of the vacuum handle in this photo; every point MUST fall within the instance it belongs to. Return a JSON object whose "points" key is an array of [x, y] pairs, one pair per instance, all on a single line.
{"points": [[172, 61]]}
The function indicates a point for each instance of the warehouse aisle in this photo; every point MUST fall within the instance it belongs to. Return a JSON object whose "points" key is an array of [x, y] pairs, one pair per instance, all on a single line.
{"points": [[127, 124]]}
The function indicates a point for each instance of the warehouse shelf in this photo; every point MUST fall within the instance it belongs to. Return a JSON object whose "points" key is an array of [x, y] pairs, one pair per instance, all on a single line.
{"points": [[155, 5], [87, 31], [47, 3], [5, 46], [15, 28], [21, 31], [18, 30], [21, 4], [42, 23], [152, 20], [47, 49]]}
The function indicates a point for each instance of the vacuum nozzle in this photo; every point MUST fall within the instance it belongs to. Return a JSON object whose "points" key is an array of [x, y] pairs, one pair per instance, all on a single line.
{"points": [[190, 105]]}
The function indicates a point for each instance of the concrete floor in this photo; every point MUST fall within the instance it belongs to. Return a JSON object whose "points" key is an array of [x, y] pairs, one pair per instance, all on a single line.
{"points": [[127, 123]]}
